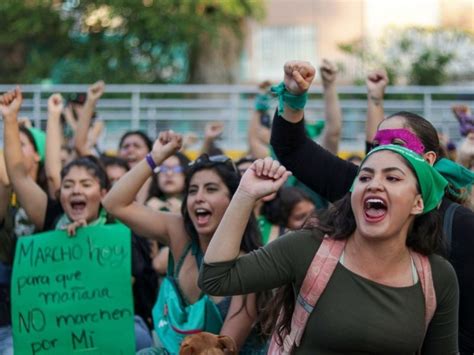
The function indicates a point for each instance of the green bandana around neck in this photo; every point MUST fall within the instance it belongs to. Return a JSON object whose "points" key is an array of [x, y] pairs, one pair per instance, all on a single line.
{"points": [[64, 220], [40, 141], [456, 174], [432, 183], [296, 102]]}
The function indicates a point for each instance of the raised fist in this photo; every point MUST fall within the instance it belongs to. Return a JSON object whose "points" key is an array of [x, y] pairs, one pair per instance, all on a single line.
{"points": [[213, 130], [55, 104], [376, 82], [95, 91], [10, 103], [167, 143], [328, 72], [298, 76]]}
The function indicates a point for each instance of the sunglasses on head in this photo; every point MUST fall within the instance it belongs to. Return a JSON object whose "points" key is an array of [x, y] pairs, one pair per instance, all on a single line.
{"points": [[174, 169], [215, 159]]}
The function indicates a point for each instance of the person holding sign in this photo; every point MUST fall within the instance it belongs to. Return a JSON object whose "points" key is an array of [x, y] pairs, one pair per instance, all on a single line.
{"points": [[386, 292], [210, 184], [83, 184]]}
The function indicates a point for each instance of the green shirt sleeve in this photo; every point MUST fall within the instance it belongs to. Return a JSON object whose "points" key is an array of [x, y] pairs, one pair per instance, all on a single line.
{"points": [[280, 262]]}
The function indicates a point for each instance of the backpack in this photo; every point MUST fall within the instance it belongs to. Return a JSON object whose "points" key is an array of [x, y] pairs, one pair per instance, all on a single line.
{"points": [[318, 275], [173, 318]]}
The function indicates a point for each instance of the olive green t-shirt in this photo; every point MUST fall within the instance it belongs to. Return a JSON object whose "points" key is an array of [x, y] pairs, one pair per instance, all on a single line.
{"points": [[354, 315]]}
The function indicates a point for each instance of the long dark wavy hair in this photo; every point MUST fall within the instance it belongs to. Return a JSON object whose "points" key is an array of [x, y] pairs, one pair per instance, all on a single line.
{"points": [[429, 137], [252, 238], [338, 222]]}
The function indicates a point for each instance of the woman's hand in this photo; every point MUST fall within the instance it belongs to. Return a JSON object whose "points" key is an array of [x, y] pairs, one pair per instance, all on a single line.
{"points": [[328, 72], [10, 103], [264, 177], [71, 228], [95, 91], [55, 105], [167, 143], [298, 76], [376, 82]]}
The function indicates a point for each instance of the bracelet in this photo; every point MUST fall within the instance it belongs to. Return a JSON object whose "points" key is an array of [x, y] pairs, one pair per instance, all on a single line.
{"points": [[151, 163], [296, 102]]}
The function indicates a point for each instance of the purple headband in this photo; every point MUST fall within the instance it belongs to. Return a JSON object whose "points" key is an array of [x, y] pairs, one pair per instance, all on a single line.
{"points": [[387, 136]]}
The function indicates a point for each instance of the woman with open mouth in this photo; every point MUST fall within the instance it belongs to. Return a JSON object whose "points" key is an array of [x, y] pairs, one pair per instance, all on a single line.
{"points": [[209, 186], [83, 184], [380, 239], [316, 167]]}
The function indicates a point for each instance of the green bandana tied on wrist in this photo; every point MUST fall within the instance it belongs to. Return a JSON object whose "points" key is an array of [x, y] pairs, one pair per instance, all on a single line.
{"points": [[432, 183], [296, 102]]}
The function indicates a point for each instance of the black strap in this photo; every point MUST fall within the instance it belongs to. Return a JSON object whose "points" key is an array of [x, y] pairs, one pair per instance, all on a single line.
{"points": [[448, 223]]}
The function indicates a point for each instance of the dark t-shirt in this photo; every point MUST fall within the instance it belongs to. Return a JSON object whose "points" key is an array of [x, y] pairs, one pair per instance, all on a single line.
{"points": [[332, 177], [354, 315]]}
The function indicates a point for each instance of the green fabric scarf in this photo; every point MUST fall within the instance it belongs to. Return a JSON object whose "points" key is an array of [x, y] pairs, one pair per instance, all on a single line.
{"points": [[296, 102], [457, 175], [432, 183], [64, 220], [40, 141]]}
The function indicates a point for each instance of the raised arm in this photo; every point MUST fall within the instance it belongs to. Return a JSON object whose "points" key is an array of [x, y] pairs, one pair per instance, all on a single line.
{"points": [[308, 161], [376, 83], [264, 177], [258, 137], [5, 189], [53, 144], [120, 201], [212, 132], [332, 108], [94, 93], [31, 197]]}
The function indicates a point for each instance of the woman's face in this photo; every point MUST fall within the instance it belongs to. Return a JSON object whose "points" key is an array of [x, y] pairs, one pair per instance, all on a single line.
{"points": [[300, 212], [114, 173], [171, 177], [385, 196], [133, 149], [207, 200], [80, 194], [30, 156]]}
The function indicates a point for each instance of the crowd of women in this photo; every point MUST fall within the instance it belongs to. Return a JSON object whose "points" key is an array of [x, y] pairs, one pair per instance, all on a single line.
{"points": [[246, 249]]}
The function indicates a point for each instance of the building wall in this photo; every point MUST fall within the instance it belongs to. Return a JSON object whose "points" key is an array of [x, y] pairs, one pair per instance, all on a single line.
{"points": [[317, 25], [313, 29]]}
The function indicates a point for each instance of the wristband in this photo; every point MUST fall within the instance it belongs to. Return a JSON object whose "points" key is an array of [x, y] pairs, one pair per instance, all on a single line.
{"points": [[296, 102], [151, 163]]}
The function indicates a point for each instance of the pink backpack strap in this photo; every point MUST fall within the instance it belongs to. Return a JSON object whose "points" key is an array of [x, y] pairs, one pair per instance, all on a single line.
{"points": [[318, 275], [423, 269]]}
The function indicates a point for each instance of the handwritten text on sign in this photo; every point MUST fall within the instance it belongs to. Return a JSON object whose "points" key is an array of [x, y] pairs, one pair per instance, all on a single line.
{"points": [[73, 295]]}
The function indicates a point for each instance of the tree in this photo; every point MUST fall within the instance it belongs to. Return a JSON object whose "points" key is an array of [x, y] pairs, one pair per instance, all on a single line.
{"points": [[148, 41], [418, 56]]}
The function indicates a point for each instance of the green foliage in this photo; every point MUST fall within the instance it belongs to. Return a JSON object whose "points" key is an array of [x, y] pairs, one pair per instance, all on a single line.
{"points": [[148, 41], [417, 56], [430, 68]]}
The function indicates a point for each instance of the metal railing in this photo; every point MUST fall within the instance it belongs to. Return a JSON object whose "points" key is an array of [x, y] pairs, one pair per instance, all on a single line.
{"points": [[185, 108]]}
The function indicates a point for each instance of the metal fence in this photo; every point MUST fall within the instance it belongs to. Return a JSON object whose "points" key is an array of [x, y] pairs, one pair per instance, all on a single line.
{"points": [[186, 108]]}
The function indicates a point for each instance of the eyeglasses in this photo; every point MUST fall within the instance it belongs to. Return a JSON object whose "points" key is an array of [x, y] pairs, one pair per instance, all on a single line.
{"points": [[174, 169], [216, 159]]}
